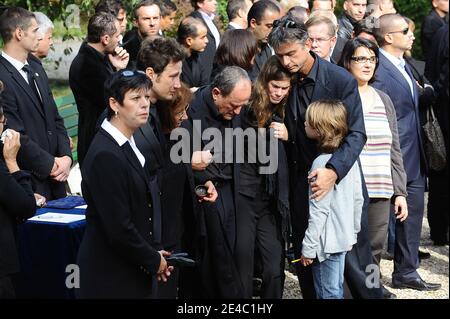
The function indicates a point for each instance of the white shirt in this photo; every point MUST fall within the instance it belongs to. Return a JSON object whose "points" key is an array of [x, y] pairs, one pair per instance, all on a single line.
{"points": [[400, 65], [211, 26], [122, 139], [17, 65], [235, 25]]}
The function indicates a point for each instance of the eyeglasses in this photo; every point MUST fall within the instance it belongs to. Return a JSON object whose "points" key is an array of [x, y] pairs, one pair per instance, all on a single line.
{"points": [[320, 40], [180, 115], [404, 31], [364, 59]]}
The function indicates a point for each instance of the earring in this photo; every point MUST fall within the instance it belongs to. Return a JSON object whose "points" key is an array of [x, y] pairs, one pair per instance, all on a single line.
{"points": [[116, 113]]}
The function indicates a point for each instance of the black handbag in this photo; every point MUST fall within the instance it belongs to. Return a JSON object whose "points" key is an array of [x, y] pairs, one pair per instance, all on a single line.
{"points": [[434, 142]]}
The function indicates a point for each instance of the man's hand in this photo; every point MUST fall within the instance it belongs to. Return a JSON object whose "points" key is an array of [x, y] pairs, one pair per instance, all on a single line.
{"points": [[401, 208], [164, 270], [61, 173], [322, 181], [120, 58], [212, 193], [280, 131], [200, 160], [306, 261]]}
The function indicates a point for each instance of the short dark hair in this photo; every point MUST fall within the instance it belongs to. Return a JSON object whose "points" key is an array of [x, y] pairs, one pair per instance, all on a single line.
{"points": [[119, 83], [233, 8], [365, 25], [287, 30], [167, 7], [194, 3], [297, 13], [237, 47], [350, 48], [259, 8], [188, 28], [158, 53], [13, 18], [110, 6], [145, 3], [227, 79], [100, 24]]}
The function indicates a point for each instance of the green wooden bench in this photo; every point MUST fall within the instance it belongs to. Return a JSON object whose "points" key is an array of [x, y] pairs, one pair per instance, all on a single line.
{"points": [[67, 108]]}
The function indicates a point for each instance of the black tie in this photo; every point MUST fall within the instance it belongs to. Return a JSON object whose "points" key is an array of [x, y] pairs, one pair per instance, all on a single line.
{"points": [[32, 81]]}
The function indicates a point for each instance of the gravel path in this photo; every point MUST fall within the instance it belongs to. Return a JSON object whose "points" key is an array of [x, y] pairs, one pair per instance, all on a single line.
{"points": [[434, 270]]}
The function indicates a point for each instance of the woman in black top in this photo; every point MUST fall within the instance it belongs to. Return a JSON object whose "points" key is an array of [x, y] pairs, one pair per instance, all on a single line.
{"points": [[17, 203]]}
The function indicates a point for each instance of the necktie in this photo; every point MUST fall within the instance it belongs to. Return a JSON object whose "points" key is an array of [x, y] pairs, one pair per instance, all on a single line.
{"points": [[411, 76], [32, 81]]}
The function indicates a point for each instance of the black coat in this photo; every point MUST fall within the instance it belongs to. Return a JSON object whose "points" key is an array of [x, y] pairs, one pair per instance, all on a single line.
{"points": [[132, 43], [207, 56], [43, 135], [88, 73], [431, 24], [194, 72], [16, 204], [117, 257]]}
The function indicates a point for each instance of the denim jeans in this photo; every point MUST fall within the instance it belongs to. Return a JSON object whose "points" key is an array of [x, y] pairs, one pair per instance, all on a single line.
{"points": [[328, 277]]}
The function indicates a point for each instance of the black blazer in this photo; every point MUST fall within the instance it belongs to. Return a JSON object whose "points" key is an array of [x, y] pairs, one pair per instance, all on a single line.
{"points": [[43, 135], [207, 56], [132, 43], [337, 51], [333, 82], [16, 204], [194, 72], [116, 256], [88, 73]]}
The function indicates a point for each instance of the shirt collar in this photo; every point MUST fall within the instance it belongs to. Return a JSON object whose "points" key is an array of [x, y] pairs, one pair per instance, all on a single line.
{"points": [[312, 75], [16, 63], [235, 25], [398, 62], [115, 133], [207, 16]]}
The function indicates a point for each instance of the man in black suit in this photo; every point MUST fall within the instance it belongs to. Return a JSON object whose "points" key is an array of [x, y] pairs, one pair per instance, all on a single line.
{"points": [[216, 107], [433, 21], [96, 60], [205, 10], [30, 108], [394, 77], [147, 20], [237, 11], [260, 19], [318, 79]]}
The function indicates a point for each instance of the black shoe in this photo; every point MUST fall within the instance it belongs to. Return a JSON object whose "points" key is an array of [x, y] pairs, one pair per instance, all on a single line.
{"points": [[417, 284], [423, 255], [388, 295], [387, 255]]}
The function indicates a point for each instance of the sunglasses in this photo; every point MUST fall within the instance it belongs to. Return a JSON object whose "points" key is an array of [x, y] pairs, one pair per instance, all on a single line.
{"points": [[404, 31], [287, 23], [129, 73]]}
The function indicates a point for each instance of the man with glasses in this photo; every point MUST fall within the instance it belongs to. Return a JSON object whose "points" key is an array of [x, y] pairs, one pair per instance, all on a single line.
{"points": [[318, 79], [322, 34], [394, 77]]}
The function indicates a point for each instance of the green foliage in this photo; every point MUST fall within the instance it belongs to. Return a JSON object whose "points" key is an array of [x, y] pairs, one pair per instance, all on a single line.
{"points": [[222, 11]]}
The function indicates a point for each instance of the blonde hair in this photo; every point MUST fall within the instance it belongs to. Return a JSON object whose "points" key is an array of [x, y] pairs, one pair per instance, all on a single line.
{"points": [[329, 119]]}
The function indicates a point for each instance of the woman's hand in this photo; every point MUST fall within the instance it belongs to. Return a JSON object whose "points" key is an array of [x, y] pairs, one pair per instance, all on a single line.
{"points": [[200, 160], [40, 200], [11, 147], [401, 208], [281, 131]]}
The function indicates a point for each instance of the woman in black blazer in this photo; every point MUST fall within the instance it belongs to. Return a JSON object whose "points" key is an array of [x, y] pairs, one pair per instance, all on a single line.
{"points": [[118, 257], [17, 203]]}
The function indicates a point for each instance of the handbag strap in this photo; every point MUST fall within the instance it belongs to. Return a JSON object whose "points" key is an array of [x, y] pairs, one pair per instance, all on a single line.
{"points": [[430, 113]]}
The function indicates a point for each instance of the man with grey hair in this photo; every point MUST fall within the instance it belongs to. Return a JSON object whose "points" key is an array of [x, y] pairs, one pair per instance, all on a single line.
{"points": [[216, 107], [46, 31], [322, 34], [318, 79], [97, 59], [394, 77]]}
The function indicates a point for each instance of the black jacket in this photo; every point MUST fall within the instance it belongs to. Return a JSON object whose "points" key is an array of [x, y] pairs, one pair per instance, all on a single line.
{"points": [[88, 73], [194, 71], [132, 43], [117, 257], [346, 27], [431, 24], [207, 56], [43, 135], [16, 204]]}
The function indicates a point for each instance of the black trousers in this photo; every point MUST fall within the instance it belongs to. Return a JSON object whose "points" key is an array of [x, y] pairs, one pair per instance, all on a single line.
{"points": [[407, 234], [257, 226], [356, 261], [438, 205]]}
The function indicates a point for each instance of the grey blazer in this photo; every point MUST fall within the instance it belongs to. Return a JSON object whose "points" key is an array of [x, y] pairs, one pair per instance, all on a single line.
{"points": [[398, 171]]}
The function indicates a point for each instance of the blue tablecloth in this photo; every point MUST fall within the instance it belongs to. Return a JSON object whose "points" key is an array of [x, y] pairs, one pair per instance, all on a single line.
{"points": [[45, 251]]}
